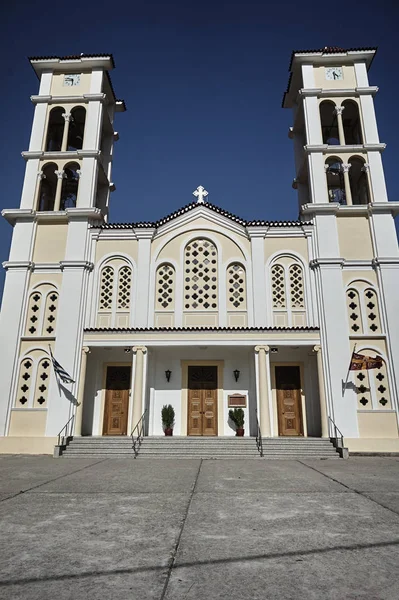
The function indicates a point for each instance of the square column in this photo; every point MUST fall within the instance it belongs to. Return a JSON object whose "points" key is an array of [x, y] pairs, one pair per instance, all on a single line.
{"points": [[139, 372], [263, 375], [81, 390]]}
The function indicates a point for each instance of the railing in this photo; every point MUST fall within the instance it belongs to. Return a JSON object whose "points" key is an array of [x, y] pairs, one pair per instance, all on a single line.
{"points": [[66, 431], [259, 443], [139, 432], [336, 431]]}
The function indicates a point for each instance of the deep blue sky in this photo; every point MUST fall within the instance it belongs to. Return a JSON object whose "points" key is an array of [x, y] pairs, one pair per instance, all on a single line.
{"points": [[203, 83]]}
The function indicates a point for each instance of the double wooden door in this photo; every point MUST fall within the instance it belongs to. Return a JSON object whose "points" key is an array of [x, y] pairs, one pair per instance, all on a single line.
{"points": [[202, 400], [288, 384], [116, 401]]}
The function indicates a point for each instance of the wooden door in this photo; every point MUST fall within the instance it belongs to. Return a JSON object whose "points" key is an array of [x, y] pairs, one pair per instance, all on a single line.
{"points": [[202, 401], [288, 384], [116, 401]]}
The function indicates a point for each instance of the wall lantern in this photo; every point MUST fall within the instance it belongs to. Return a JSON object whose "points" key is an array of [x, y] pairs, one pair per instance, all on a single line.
{"points": [[167, 375], [236, 374]]}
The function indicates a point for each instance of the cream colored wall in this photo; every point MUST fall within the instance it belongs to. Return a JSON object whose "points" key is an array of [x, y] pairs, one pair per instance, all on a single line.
{"points": [[105, 247], [284, 245], [59, 89], [373, 424], [50, 242], [27, 445], [349, 275], [372, 444], [28, 422], [349, 80], [355, 238]]}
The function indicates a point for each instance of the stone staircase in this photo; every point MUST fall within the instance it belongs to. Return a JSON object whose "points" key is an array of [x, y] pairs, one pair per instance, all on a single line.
{"points": [[201, 447]]}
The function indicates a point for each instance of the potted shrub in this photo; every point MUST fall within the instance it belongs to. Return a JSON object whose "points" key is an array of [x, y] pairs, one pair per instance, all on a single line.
{"points": [[237, 416], [168, 419]]}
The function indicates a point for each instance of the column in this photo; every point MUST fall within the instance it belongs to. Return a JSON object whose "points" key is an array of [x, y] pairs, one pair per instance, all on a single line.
{"points": [[264, 415], [322, 396], [138, 355], [57, 201], [64, 143], [348, 193], [338, 112], [81, 389]]}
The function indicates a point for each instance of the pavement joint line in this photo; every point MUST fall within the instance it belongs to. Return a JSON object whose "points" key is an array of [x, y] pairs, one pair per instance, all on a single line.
{"points": [[354, 491], [34, 487], [177, 544]]}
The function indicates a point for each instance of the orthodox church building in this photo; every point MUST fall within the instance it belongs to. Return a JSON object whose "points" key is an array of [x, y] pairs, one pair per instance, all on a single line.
{"points": [[202, 309]]}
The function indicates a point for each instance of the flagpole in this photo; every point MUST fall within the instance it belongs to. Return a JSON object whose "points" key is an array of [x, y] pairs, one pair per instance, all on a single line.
{"points": [[55, 372], [347, 375]]}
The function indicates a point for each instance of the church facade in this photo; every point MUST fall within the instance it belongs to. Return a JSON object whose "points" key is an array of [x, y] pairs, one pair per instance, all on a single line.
{"points": [[202, 310]]}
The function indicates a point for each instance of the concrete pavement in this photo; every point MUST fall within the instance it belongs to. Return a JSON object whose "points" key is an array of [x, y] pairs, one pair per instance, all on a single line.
{"points": [[192, 529]]}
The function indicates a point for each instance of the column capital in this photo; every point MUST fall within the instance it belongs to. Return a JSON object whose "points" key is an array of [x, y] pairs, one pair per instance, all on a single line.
{"points": [[41, 175], [346, 167], [86, 350], [60, 174], [265, 348], [67, 116], [338, 110], [365, 167], [316, 348], [136, 349]]}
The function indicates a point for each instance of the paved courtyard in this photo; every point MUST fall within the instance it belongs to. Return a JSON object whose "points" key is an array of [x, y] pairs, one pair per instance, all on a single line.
{"points": [[191, 529]]}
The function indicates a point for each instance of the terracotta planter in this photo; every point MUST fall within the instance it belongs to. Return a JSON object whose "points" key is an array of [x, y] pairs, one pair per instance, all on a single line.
{"points": [[168, 431], [240, 431]]}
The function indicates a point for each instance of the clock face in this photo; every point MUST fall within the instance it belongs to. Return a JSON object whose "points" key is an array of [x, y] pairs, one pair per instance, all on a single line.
{"points": [[71, 79], [334, 73]]}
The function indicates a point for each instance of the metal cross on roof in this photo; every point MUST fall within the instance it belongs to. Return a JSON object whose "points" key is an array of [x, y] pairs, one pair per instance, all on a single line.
{"points": [[200, 193]]}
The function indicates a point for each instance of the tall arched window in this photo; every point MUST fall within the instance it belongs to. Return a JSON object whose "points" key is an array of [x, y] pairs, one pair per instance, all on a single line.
{"points": [[288, 292], [42, 311], [55, 129], [48, 187], [70, 185], [165, 287], [76, 128], [372, 386], [335, 180], [201, 276], [236, 287], [329, 123], [351, 123], [33, 380], [363, 310], [358, 181], [115, 292]]}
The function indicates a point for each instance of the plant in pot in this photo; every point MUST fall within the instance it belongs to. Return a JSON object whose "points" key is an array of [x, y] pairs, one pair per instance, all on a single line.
{"points": [[168, 419], [237, 416]]}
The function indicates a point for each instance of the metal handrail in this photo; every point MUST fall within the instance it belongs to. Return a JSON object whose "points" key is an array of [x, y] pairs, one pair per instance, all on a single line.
{"points": [[136, 443], [259, 443], [337, 430], [68, 430]]}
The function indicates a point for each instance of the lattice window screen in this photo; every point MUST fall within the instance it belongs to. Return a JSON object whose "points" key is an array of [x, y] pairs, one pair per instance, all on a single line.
{"points": [[278, 287], [165, 287], [50, 314], [124, 288], [24, 382], [383, 396], [106, 288], [373, 384], [296, 286], [372, 312], [33, 321], [201, 276], [42, 383], [236, 287], [354, 311]]}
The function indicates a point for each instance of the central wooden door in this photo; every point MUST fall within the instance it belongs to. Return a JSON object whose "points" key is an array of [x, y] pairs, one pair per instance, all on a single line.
{"points": [[202, 400], [288, 384], [116, 401]]}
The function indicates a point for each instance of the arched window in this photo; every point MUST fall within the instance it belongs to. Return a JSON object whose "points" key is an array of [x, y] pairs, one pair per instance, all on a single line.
{"points": [[351, 123], [76, 128], [165, 291], [335, 180], [362, 307], [372, 386], [48, 187], [201, 276], [33, 380], [55, 130], [70, 185], [329, 123], [358, 181], [236, 287], [115, 293], [42, 311], [288, 293]]}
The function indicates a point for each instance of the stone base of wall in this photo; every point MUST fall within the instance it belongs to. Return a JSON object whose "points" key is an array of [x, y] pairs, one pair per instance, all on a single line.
{"points": [[372, 444], [27, 445]]}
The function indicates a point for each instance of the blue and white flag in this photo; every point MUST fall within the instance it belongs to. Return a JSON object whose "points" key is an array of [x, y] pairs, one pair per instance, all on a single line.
{"points": [[60, 371]]}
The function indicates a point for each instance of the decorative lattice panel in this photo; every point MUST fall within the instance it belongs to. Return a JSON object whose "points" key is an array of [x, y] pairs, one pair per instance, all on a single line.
{"points": [[383, 397], [124, 288], [372, 312], [33, 327], [354, 311], [165, 287], [278, 287], [236, 286], [106, 288], [363, 390], [24, 382], [201, 276], [50, 314], [296, 287], [373, 387], [42, 383]]}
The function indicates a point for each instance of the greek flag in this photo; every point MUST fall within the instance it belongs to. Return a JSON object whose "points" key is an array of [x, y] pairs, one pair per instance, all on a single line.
{"points": [[60, 371]]}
